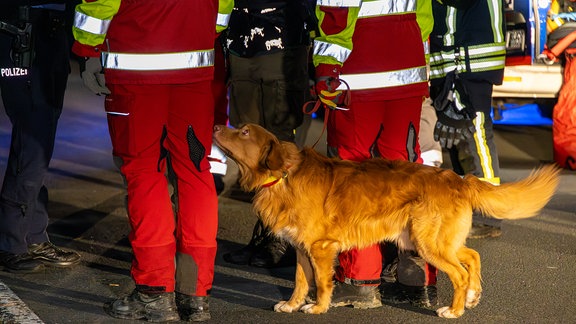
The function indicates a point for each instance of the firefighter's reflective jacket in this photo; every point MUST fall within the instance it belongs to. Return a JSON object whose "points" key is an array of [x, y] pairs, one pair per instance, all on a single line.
{"points": [[138, 39], [378, 45], [468, 37]]}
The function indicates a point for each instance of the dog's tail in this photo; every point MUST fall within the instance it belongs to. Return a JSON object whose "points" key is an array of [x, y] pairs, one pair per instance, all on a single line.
{"points": [[516, 200]]}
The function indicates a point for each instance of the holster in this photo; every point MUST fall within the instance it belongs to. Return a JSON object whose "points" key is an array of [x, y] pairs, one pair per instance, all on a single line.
{"points": [[22, 53]]}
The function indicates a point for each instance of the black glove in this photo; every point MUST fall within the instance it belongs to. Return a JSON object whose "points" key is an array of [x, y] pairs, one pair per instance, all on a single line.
{"points": [[452, 127], [454, 112]]}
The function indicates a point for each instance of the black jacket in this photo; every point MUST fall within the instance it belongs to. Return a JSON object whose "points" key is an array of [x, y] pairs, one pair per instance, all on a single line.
{"points": [[259, 27], [468, 35]]}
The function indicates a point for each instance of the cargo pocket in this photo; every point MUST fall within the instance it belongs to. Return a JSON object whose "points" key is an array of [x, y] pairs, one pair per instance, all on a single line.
{"points": [[118, 115]]}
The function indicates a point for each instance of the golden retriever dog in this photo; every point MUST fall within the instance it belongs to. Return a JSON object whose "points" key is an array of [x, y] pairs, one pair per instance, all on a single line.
{"points": [[324, 206]]}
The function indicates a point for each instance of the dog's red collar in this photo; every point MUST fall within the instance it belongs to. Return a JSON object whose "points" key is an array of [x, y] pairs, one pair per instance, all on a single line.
{"points": [[272, 180]]}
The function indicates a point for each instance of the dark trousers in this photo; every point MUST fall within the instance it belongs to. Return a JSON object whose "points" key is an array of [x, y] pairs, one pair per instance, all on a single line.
{"points": [[270, 90], [33, 100], [478, 156]]}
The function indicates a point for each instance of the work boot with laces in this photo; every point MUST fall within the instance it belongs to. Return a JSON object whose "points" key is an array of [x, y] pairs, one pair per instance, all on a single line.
{"points": [[390, 289], [243, 255], [153, 307], [19, 263], [265, 250], [50, 254], [393, 292], [273, 252], [361, 297], [193, 308]]}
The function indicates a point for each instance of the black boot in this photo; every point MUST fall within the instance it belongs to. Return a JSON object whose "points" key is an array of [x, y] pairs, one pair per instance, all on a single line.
{"points": [[393, 292], [361, 297], [20, 263], [153, 307], [264, 250], [390, 290], [193, 308], [273, 252], [243, 255], [50, 254], [422, 296]]}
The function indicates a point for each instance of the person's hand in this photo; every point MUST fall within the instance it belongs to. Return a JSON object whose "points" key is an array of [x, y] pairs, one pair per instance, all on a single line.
{"points": [[327, 93], [93, 75], [326, 85], [454, 111], [452, 127]]}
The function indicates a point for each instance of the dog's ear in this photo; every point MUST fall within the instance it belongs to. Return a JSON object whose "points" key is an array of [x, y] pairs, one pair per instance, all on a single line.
{"points": [[273, 158]]}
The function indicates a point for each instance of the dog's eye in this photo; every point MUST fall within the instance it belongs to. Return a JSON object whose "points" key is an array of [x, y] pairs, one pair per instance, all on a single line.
{"points": [[245, 132]]}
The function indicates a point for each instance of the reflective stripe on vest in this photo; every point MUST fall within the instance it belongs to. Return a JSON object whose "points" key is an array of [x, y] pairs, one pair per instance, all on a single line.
{"points": [[338, 52], [222, 19], [365, 81], [367, 9], [481, 58], [386, 7], [474, 67], [339, 3], [158, 62], [91, 24]]}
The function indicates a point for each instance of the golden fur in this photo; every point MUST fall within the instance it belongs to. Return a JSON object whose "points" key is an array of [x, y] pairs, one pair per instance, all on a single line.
{"points": [[324, 206]]}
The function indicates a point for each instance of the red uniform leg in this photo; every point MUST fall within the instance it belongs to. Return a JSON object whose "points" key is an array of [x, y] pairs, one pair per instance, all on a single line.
{"points": [[388, 129], [189, 127], [136, 118], [398, 139], [351, 135]]}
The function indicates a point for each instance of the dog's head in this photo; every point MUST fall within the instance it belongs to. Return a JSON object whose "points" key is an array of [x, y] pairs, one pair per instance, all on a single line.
{"points": [[258, 153]]}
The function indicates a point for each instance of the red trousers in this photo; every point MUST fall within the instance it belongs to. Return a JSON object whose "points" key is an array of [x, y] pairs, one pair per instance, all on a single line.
{"points": [[380, 128], [145, 123]]}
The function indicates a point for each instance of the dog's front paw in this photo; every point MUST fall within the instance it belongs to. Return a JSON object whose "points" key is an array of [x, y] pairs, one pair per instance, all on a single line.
{"points": [[313, 309], [448, 312], [284, 307]]}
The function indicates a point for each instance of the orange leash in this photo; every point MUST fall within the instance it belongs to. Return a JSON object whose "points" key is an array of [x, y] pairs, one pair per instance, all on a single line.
{"points": [[316, 104]]}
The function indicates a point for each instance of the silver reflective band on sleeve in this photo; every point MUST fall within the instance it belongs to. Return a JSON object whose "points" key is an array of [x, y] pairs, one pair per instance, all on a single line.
{"points": [[484, 50], [367, 81], [386, 7], [338, 52], [158, 62], [487, 65], [91, 24], [426, 47], [339, 3], [222, 19]]}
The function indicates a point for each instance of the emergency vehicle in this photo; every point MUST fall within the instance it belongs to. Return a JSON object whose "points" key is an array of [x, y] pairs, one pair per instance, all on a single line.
{"points": [[531, 80]]}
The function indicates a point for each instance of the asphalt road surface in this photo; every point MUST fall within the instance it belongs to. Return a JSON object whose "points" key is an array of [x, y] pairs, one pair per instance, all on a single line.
{"points": [[528, 273]]}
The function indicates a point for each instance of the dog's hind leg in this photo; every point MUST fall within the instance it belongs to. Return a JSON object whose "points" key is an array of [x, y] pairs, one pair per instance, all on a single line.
{"points": [[471, 260], [447, 261], [322, 256], [303, 282]]}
